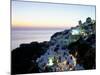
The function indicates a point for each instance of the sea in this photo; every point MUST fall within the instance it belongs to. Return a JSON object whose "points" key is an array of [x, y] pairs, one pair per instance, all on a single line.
{"points": [[19, 36]]}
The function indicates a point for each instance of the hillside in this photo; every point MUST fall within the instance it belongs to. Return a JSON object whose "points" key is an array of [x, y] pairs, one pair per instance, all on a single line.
{"points": [[71, 49]]}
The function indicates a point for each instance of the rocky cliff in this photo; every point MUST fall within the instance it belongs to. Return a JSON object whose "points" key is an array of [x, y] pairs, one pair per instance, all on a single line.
{"points": [[72, 49]]}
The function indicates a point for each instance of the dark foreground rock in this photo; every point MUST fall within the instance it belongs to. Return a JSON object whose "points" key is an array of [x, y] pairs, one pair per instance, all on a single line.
{"points": [[86, 52], [23, 58]]}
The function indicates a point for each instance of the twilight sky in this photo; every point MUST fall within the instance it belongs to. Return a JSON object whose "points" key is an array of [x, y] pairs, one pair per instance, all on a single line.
{"points": [[46, 15]]}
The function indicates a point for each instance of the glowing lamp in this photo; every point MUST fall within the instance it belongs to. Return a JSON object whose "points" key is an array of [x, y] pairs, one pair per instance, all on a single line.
{"points": [[75, 32], [50, 62]]}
